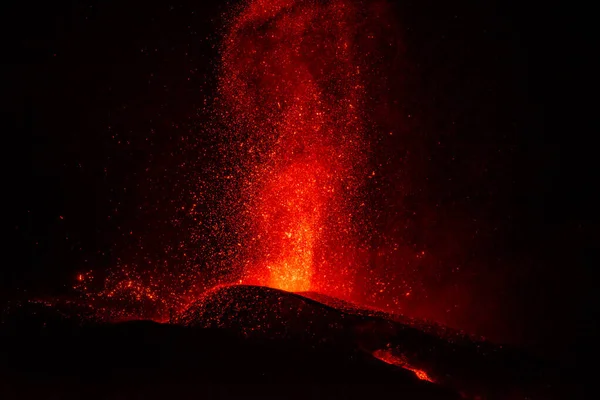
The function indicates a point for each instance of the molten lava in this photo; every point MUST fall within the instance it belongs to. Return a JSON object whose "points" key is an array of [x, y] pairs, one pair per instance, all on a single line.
{"points": [[283, 203], [387, 357], [292, 83]]}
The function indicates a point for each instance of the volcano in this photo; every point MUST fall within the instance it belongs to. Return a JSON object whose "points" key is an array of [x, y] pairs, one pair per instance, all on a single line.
{"points": [[244, 341]]}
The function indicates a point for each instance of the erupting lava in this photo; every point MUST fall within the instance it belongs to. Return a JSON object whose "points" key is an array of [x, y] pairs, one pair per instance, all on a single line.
{"points": [[292, 87], [284, 204]]}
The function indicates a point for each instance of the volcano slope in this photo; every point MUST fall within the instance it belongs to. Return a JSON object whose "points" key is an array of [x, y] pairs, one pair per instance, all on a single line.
{"points": [[250, 341]]}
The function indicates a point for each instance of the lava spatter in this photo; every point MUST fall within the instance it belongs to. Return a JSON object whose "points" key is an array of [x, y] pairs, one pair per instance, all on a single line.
{"points": [[292, 82], [278, 198]]}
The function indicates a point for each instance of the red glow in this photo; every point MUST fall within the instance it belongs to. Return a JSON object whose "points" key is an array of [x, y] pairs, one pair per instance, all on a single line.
{"points": [[387, 357], [284, 207], [292, 80]]}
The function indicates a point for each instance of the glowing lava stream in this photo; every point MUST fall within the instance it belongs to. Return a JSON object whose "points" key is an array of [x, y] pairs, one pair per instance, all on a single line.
{"points": [[292, 90], [387, 357]]}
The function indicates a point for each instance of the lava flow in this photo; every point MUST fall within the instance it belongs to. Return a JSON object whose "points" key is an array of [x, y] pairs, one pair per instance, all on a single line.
{"points": [[387, 357], [292, 87]]}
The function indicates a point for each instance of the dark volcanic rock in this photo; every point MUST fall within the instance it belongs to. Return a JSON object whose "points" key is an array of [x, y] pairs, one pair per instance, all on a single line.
{"points": [[453, 359], [248, 341], [143, 359]]}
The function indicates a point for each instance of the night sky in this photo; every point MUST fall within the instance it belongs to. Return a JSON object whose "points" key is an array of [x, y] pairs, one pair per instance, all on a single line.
{"points": [[489, 170]]}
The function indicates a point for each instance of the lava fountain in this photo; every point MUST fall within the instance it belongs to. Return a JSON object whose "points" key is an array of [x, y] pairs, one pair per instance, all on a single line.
{"points": [[293, 95], [284, 206]]}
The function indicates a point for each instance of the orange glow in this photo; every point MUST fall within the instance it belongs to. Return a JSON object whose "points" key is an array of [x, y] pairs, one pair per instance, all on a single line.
{"points": [[294, 270], [291, 82], [387, 357], [283, 207], [290, 217], [420, 374]]}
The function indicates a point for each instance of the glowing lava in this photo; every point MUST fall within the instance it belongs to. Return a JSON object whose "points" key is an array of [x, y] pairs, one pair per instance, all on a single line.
{"points": [[295, 221], [292, 86], [387, 357], [283, 203]]}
